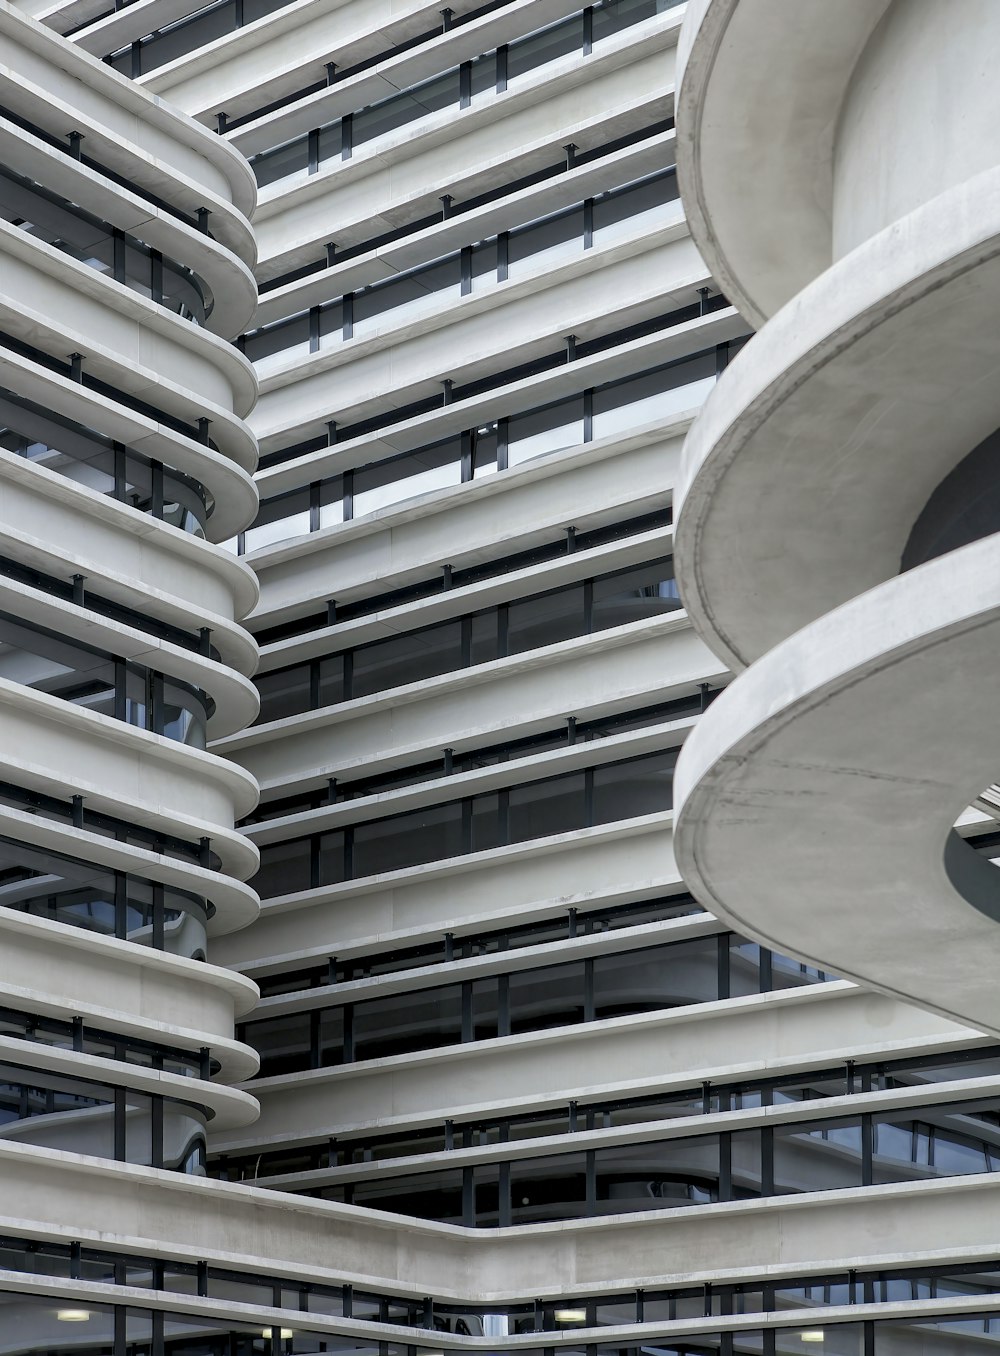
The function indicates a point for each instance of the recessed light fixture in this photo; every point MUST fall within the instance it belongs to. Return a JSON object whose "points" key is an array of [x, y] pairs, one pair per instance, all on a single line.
{"points": [[813, 1335], [73, 1315], [274, 1332], [571, 1315]]}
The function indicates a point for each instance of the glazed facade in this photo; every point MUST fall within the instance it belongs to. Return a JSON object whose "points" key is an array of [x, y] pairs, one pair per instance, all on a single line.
{"points": [[433, 1047]]}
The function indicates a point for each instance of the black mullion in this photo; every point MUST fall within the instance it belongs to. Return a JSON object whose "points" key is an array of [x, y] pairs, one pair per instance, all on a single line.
{"points": [[118, 255], [121, 905], [503, 816], [468, 1198], [347, 1045], [156, 1131], [119, 1126], [156, 501], [503, 1005], [722, 943], [467, 824], [121, 689], [121, 471], [158, 919], [465, 268], [468, 1030], [314, 860], [503, 1194], [156, 276], [726, 1163], [502, 68], [867, 1147], [766, 970]]}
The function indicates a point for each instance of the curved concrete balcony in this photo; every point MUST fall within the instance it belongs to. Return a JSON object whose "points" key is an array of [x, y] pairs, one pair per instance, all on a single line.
{"points": [[115, 986], [224, 475], [816, 800], [59, 306], [749, 77], [59, 88], [232, 904], [826, 535], [838, 422], [49, 744]]}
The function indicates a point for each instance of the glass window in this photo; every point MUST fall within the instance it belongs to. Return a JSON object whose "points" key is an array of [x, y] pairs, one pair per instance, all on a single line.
{"points": [[817, 1159], [424, 835], [559, 39], [404, 1022], [634, 595], [552, 995], [545, 619], [392, 303], [613, 16], [641, 786], [385, 117], [332, 861], [555, 805], [546, 430], [529, 246], [390, 482], [285, 868], [282, 1043], [615, 210], [667, 977], [658, 1176], [652, 396], [292, 158], [285, 692], [548, 1188], [407, 659], [279, 338]]}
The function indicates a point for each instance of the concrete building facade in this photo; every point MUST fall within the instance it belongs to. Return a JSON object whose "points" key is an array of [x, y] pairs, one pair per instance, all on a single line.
{"points": [[475, 1068]]}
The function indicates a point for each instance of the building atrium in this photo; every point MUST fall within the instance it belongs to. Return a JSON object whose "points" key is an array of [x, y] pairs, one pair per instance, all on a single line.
{"points": [[497, 567]]}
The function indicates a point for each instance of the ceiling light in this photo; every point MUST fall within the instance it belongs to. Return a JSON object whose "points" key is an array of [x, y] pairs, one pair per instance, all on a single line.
{"points": [[273, 1332], [571, 1315], [73, 1315], [812, 1335]]}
